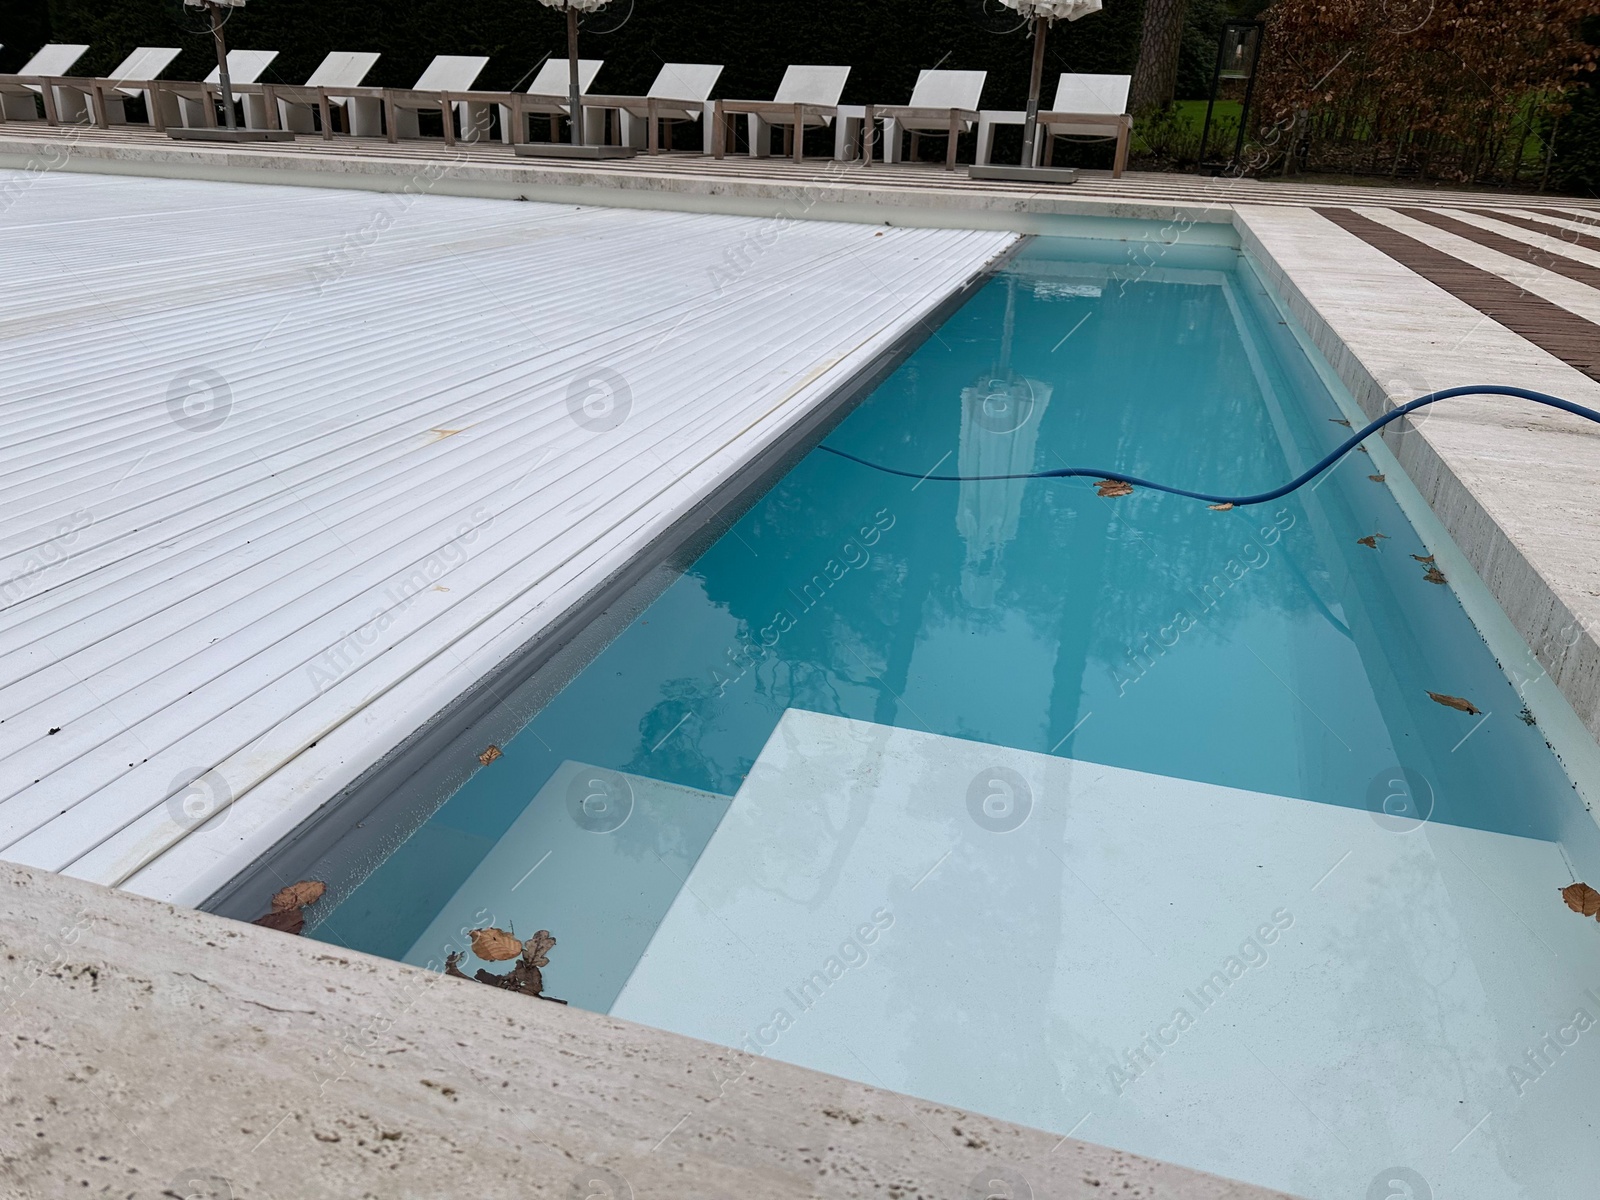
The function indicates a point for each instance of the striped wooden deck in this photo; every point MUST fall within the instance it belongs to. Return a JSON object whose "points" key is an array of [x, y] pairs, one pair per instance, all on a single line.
{"points": [[1565, 327]]}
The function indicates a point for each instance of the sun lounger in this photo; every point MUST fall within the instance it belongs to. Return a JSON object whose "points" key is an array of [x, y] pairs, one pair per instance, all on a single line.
{"points": [[808, 98], [77, 100], [681, 92], [547, 96], [194, 105], [50, 62], [446, 73], [324, 91], [943, 104], [1092, 106]]}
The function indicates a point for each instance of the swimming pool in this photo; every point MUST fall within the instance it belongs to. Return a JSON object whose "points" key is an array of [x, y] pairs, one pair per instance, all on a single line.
{"points": [[1119, 816]]}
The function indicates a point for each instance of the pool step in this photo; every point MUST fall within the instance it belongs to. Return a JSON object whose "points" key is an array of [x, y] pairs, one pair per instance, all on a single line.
{"points": [[1297, 994], [596, 858]]}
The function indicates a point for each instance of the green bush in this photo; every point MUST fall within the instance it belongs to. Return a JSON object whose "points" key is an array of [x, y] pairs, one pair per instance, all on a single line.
{"points": [[1576, 166]]}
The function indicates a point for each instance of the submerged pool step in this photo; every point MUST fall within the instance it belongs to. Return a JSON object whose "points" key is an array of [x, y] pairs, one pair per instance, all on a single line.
{"points": [[1297, 994], [596, 858]]}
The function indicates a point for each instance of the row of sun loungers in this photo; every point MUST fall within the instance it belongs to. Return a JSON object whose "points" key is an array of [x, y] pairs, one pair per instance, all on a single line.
{"points": [[944, 104]]}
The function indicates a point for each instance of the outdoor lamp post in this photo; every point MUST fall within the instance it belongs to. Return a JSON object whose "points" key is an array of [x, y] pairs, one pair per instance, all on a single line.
{"points": [[1041, 14]]}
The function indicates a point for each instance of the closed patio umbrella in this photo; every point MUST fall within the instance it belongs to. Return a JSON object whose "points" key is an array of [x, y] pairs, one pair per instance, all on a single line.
{"points": [[573, 8], [1041, 15]]}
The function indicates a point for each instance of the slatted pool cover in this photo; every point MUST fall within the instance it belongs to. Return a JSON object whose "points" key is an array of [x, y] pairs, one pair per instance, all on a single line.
{"points": [[284, 471]]}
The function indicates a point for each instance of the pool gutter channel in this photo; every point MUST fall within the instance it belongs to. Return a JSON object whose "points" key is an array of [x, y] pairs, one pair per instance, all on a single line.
{"points": [[350, 835]]}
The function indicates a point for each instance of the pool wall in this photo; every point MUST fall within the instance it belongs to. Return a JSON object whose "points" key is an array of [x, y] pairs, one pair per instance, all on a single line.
{"points": [[1462, 475]]}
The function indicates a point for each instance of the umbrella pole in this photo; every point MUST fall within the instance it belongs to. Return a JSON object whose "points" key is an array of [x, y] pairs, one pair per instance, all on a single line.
{"points": [[222, 66], [1030, 125], [575, 109]]}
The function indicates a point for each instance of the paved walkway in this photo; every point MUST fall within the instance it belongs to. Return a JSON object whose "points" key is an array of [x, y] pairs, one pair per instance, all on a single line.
{"points": [[694, 171]]}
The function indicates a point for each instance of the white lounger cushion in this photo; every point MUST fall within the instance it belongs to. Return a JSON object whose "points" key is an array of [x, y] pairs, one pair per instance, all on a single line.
{"points": [[451, 73], [244, 66], [686, 81], [554, 78], [812, 85], [146, 62], [343, 68], [948, 89], [55, 59]]}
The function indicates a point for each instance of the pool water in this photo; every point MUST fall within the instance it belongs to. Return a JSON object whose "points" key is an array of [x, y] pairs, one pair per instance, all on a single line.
{"points": [[1183, 697]]}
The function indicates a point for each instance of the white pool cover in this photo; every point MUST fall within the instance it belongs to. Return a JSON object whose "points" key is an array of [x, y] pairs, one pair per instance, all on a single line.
{"points": [[284, 471]]}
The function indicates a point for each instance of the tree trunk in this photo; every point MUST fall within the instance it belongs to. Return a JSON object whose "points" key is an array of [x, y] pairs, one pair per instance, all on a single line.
{"points": [[1156, 77]]}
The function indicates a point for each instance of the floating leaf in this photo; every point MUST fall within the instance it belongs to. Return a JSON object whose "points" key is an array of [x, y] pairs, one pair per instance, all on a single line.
{"points": [[1423, 558], [525, 977], [538, 947], [1581, 898], [298, 895], [1456, 702], [494, 945], [1340, 421], [285, 920], [1114, 487], [1434, 575], [1375, 478], [489, 755], [1219, 507], [1372, 539]]}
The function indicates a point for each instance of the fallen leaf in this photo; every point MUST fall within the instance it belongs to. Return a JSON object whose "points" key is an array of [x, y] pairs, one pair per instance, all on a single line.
{"points": [[1372, 539], [525, 977], [489, 755], [1219, 507], [1340, 421], [1581, 898], [1434, 575], [537, 950], [494, 945], [1363, 450], [1375, 478], [1456, 702], [285, 920], [298, 895], [1527, 716], [1423, 558], [1114, 487]]}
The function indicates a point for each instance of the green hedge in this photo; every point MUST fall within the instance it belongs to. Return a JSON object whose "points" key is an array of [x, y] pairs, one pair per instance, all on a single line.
{"points": [[886, 41], [1576, 166]]}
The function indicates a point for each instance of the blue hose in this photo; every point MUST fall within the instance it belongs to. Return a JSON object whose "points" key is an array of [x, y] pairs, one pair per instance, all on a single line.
{"points": [[1351, 443]]}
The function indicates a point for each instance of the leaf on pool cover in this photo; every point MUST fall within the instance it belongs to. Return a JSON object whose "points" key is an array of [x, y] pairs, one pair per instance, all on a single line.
{"points": [[489, 755], [1114, 487], [298, 895], [1423, 558], [1340, 421], [284, 920], [1375, 478], [1224, 507], [1434, 575], [1581, 898], [1456, 702], [1372, 539], [494, 945]]}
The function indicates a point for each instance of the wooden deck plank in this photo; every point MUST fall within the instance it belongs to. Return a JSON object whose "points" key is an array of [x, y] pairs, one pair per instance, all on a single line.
{"points": [[1549, 326]]}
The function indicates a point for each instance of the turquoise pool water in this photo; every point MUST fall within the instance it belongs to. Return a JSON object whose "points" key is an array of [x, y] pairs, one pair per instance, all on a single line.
{"points": [[1269, 649]]}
